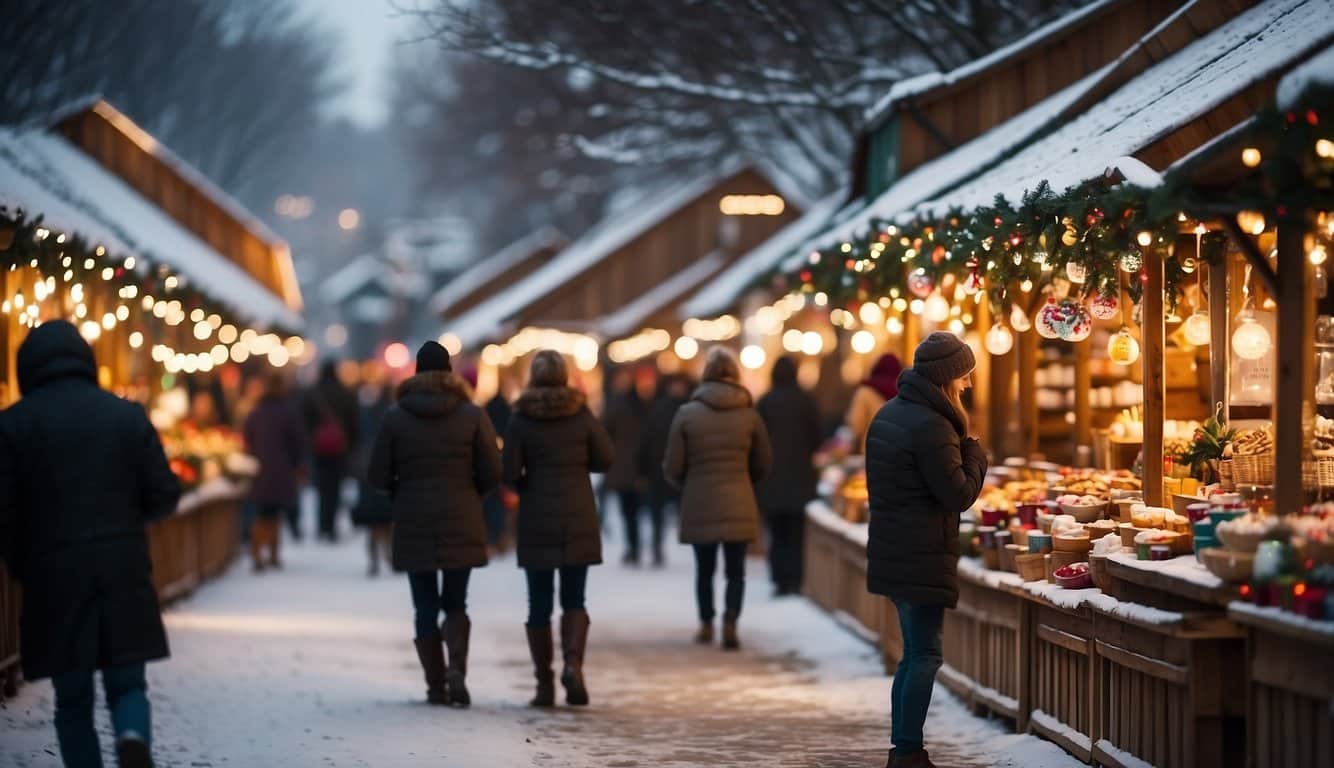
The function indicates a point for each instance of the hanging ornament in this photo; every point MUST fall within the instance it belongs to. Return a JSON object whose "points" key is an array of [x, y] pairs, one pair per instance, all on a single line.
{"points": [[1074, 323], [973, 283], [1045, 322], [1123, 349], [936, 309], [1019, 319], [999, 340], [1189, 265], [1077, 272], [1069, 237], [1104, 306], [1039, 255], [1131, 261], [920, 283], [1197, 330], [1251, 340]]}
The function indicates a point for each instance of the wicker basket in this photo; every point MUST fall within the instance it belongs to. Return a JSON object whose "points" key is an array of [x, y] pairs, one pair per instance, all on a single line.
{"points": [[1031, 567], [1318, 473], [1253, 470], [1225, 474]]}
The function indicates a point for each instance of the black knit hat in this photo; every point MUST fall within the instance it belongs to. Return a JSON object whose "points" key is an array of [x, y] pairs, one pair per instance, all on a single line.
{"points": [[942, 357], [433, 357]]}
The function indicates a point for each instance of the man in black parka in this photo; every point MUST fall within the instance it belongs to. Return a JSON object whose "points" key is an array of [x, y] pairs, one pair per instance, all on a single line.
{"points": [[81, 472]]}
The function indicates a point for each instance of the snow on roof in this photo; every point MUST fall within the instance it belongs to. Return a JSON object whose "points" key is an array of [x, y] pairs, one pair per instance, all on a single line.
{"points": [[1319, 70], [931, 80], [714, 297], [364, 270], [1171, 93], [486, 320], [459, 287], [629, 318], [45, 174]]}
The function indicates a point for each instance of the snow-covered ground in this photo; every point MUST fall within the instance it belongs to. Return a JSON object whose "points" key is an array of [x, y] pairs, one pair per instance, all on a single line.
{"points": [[314, 666]]}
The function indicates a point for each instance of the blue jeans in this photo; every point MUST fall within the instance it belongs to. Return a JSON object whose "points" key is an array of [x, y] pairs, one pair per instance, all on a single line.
{"points": [[922, 656], [542, 592], [127, 698], [436, 591]]}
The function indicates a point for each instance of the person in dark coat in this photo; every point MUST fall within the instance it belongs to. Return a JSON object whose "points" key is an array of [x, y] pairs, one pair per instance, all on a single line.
{"points": [[334, 421], [273, 435], [436, 457], [624, 420], [373, 510], [673, 392], [553, 444], [81, 472], [499, 524], [717, 450], [922, 470], [793, 420]]}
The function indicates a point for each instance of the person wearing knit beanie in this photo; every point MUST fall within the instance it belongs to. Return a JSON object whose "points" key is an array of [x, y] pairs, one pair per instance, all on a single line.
{"points": [[943, 357], [433, 357]]}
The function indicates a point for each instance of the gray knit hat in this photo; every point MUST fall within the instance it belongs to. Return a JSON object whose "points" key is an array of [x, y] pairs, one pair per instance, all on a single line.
{"points": [[942, 357]]}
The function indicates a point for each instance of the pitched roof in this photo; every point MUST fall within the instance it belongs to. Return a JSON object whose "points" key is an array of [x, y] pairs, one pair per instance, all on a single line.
{"points": [[462, 285], [370, 269], [632, 316]]}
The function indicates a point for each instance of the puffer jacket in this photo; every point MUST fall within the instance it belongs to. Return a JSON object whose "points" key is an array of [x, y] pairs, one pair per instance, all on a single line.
{"points": [[922, 471], [436, 457], [552, 445], [717, 450]]}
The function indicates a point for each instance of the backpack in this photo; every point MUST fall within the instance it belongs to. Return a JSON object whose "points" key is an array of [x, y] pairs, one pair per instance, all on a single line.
{"points": [[329, 440]]}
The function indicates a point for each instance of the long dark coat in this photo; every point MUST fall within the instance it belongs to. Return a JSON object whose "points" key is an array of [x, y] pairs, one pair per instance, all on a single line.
{"points": [[922, 472], [653, 442], [81, 472], [717, 450], [624, 420], [273, 435], [793, 421], [436, 457], [553, 443], [330, 399]]}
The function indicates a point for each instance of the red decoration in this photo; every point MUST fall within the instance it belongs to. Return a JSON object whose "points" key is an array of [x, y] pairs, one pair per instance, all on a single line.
{"points": [[1312, 118]]}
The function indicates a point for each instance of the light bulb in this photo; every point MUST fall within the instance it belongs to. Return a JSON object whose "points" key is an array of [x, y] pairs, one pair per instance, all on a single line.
{"points": [[863, 342], [1123, 349], [936, 309], [1251, 340], [1318, 254], [1131, 261], [1197, 330], [871, 313], [1019, 319], [1077, 272], [999, 340]]}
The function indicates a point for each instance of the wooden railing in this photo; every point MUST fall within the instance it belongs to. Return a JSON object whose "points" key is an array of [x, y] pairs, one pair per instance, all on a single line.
{"points": [[187, 549]]}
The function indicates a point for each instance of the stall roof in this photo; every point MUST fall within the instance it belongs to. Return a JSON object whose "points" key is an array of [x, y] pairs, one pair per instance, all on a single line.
{"points": [[43, 173], [370, 269], [463, 284], [631, 317], [1245, 50], [1319, 70]]}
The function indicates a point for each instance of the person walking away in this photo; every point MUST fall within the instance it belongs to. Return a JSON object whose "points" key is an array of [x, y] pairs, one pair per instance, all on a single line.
{"points": [[498, 522], [435, 455], [553, 444], [793, 420], [332, 418], [624, 420], [673, 391], [274, 437], [922, 470], [81, 472], [877, 389], [373, 510], [717, 450]]}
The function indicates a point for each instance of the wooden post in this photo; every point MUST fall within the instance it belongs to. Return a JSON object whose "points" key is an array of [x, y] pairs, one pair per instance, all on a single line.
{"points": [[1083, 406], [982, 375], [1000, 408], [1155, 392], [1220, 334], [1296, 361], [1028, 395]]}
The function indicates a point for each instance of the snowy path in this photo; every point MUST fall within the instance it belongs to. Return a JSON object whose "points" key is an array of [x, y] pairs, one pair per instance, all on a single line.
{"points": [[313, 666]]}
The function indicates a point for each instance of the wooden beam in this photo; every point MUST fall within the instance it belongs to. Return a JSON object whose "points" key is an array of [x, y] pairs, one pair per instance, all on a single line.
{"points": [[1252, 254], [1028, 394], [1155, 392], [1296, 362], [1220, 333], [1083, 404], [1000, 408]]}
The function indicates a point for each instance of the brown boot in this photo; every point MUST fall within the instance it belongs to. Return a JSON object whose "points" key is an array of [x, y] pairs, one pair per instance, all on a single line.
{"points": [[432, 657], [540, 647], [918, 759], [705, 634], [573, 641], [261, 539], [457, 628], [730, 640]]}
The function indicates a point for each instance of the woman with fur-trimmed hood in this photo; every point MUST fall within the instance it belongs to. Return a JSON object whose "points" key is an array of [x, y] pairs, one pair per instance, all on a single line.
{"points": [[552, 445], [436, 457]]}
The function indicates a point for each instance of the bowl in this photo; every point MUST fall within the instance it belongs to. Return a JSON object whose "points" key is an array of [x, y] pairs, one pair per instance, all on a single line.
{"points": [[1223, 515], [1074, 544], [1128, 532], [1099, 528], [1085, 513], [1239, 540], [1229, 565], [1075, 576]]}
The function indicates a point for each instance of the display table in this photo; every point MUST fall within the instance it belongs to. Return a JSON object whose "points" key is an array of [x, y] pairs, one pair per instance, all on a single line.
{"points": [[1114, 682]]}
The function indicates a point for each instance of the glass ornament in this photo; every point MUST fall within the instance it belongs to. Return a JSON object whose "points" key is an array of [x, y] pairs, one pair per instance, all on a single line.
{"points": [[1078, 324], [1123, 348], [1044, 323], [1197, 329], [1019, 319], [936, 309], [920, 284], [1104, 306], [1077, 272], [999, 340], [1131, 261], [1251, 340]]}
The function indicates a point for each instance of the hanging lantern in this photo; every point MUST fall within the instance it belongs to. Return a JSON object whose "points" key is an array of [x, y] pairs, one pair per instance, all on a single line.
{"points": [[1251, 340], [1069, 237], [1123, 349], [1019, 319], [936, 309], [1197, 330], [1045, 322], [1188, 265], [1104, 306], [1131, 261], [920, 283], [1077, 272], [999, 340]]}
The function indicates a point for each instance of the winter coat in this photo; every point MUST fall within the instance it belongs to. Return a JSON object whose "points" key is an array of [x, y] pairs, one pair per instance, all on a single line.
{"points": [[624, 420], [717, 450], [435, 455], [553, 443], [866, 402], [273, 435], [793, 422], [653, 444], [921, 471], [330, 399], [81, 472]]}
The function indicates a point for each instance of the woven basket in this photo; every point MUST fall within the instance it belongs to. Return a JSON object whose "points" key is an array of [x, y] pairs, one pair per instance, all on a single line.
{"points": [[1318, 472], [1031, 567], [1225, 474], [1253, 470]]}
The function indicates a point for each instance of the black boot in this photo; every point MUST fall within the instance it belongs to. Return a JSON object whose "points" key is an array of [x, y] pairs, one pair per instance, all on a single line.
{"points": [[432, 657], [133, 753], [730, 640], [457, 628], [573, 641], [705, 634], [541, 648]]}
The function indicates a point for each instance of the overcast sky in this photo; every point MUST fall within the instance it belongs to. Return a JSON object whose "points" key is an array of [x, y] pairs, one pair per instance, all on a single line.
{"points": [[367, 31]]}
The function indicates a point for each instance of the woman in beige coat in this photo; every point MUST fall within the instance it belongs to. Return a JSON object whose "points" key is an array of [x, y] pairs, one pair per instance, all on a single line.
{"points": [[877, 389], [716, 451]]}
